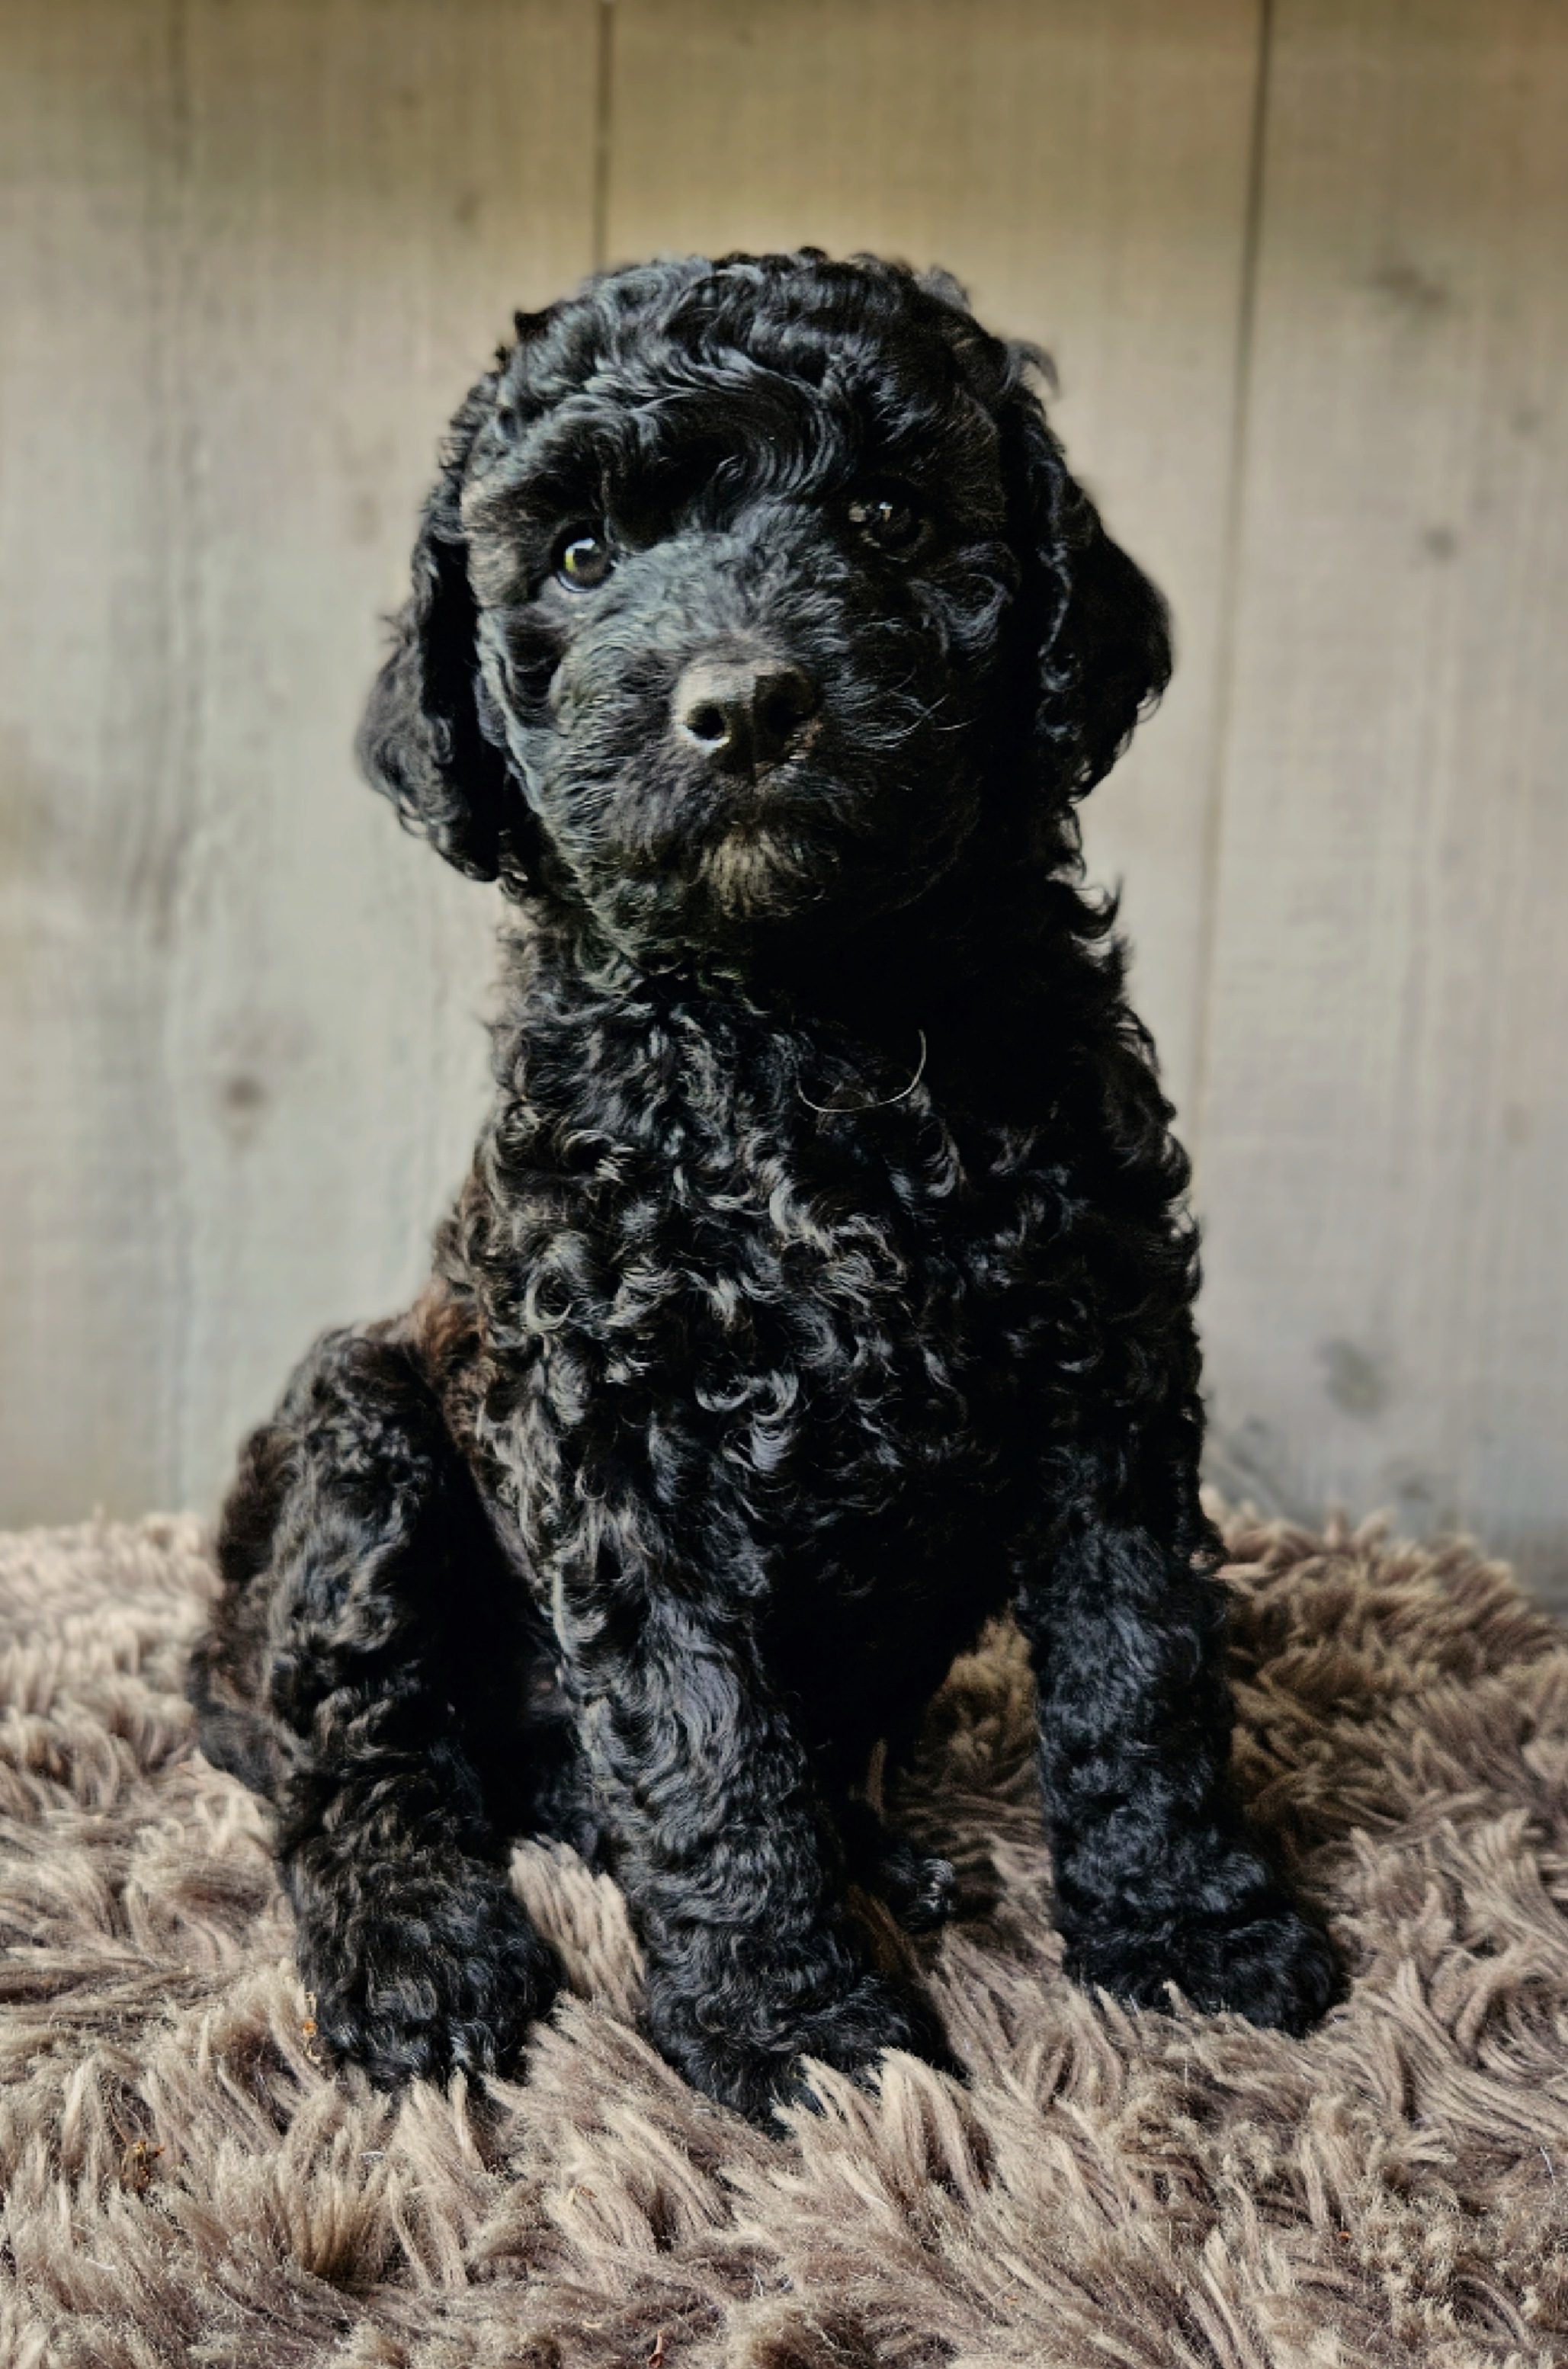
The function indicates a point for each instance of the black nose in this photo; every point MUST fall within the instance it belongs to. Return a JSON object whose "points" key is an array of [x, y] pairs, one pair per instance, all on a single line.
{"points": [[744, 714]]}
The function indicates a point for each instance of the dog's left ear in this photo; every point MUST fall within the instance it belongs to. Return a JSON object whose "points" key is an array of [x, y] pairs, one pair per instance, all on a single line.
{"points": [[421, 741], [1097, 633]]}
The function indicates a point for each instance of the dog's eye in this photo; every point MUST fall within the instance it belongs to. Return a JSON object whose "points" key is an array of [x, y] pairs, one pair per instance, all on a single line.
{"points": [[583, 559], [888, 519]]}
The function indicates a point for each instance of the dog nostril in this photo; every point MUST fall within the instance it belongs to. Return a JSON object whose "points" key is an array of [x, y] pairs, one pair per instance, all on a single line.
{"points": [[783, 703], [708, 723]]}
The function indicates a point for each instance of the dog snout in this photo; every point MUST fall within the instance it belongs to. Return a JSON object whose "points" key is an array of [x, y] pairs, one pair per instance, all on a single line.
{"points": [[744, 715]]}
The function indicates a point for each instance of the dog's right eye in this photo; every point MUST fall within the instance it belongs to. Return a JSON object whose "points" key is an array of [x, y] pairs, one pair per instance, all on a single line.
{"points": [[889, 519], [583, 559]]}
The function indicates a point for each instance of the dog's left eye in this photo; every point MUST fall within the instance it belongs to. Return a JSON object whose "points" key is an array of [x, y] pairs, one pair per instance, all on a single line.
{"points": [[888, 519], [583, 559]]}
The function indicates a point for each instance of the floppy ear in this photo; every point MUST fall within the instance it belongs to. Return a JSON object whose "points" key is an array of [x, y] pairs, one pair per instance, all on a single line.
{"points": [[421, 740], [1097, 633]]}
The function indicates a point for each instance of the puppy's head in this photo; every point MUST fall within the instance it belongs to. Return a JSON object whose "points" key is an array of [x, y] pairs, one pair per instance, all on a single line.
{"points": [[752, 593]]}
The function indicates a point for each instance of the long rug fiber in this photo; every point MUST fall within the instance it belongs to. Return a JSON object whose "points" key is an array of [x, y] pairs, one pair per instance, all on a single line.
{"points": [[184, 2184]]}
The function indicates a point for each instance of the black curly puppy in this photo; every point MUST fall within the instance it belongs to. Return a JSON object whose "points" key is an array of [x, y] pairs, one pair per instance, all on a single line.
{"points": [[822, 1284]]}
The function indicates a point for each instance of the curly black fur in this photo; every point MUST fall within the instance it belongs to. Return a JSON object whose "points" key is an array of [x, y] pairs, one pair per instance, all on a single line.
{"points": [[822, 1285]]}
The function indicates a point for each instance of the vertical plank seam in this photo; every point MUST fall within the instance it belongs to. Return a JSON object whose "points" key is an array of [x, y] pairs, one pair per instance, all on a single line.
{"points": [[603, 103], [182, 701], [1230, 574]]}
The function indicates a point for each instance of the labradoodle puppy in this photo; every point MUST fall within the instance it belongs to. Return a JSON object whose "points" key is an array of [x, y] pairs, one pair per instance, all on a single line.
{"points": [[822, 1285]]}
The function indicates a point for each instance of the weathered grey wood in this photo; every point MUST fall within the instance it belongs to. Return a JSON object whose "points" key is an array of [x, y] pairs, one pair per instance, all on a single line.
{"points": [[93, 802], [1082, 166], [252, 251], [1384, 1120], [250, 248]]}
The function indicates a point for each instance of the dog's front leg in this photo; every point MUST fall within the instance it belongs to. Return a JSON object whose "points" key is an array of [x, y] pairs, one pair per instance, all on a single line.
{"points": [[358, 1568], [1156, 1878], [728, 1858]]}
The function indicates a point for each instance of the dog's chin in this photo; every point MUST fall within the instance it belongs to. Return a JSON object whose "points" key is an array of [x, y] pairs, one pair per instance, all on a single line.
{"points": [[755, 890], [740, 886], [759, 869], [675, 865]]}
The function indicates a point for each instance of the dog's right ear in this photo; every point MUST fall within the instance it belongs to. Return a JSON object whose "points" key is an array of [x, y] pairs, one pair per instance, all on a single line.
{"points": [[421, 741]]}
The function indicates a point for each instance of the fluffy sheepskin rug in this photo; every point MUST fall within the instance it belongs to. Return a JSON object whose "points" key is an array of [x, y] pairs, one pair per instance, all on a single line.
{"points": [[183, 2183]]}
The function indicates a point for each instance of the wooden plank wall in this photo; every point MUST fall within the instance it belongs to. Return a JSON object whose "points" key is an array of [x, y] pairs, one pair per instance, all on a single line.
{"points": [[1382, 1125], [1302, 266]]}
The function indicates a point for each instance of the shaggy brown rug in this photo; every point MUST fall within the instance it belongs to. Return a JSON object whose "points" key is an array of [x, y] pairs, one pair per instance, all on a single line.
{"points": [[184, 2184]]}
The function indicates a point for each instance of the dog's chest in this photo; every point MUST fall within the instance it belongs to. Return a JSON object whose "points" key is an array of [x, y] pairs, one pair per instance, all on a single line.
{"points": [[820, 1312]]}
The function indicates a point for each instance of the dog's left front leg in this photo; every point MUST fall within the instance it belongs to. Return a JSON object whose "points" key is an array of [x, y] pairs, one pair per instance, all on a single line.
{"points": [[1157, 1878], [728, 1854]]}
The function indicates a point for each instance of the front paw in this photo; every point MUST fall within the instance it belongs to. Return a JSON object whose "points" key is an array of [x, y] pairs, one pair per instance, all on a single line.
{"points": [[1267, 1960], [431, 1980], [746, 2050]]}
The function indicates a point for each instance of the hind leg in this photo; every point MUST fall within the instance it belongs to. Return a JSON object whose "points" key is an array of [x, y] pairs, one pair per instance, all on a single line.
{"points": [[370, 1644]]}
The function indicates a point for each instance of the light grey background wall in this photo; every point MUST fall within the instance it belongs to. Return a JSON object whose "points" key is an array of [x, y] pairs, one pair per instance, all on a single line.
{"points": [[1304, 268]]}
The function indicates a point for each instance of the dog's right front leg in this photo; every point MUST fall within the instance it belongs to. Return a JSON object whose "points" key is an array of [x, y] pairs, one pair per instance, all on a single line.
{"points": [[363, 1583], [729, 1858]]}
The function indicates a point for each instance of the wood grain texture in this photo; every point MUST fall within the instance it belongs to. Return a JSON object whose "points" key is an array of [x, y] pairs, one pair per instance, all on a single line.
{"points": [[93, 803], [1384, 1126], [252, 249], [1082, 166], [261, 247]]}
